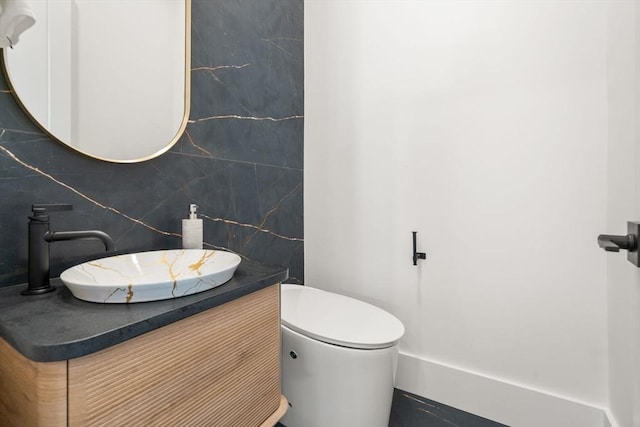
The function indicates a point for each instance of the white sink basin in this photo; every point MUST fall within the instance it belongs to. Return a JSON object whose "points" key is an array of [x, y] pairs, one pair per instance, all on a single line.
{"points": [[150, 276]]}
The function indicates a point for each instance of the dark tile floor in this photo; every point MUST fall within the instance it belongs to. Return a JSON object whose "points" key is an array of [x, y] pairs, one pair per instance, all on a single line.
{"points": [[410, 410]]}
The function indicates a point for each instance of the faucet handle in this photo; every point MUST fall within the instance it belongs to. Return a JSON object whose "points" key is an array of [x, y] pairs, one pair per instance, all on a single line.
{"points": [[41, 209]]}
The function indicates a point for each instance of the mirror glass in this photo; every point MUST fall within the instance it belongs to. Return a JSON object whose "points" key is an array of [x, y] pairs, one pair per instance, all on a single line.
{"points": [[109, 78]]}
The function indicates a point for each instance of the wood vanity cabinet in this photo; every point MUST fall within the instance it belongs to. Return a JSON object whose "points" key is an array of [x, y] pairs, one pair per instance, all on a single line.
{"points": [[217, 368]]}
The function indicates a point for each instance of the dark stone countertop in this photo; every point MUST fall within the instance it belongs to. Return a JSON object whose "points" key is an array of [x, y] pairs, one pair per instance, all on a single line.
{"points": [[58, 326]]}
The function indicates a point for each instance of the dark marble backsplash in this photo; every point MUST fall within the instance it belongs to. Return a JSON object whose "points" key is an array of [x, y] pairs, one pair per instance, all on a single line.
{"points": [[240, 158]]}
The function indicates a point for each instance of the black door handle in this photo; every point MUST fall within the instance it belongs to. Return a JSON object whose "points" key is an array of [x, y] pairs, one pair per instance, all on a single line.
{"points": [[613, 243], [629, 242]]}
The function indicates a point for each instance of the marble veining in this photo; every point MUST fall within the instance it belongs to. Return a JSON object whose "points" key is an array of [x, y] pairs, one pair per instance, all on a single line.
{"points": [[257, 228], [150, 276], [240, 158], [237, 117], [70, 188], [193, 143]]}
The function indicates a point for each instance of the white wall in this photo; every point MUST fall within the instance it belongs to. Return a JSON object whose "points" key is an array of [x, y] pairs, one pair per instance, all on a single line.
{"points": [[483, 126]]}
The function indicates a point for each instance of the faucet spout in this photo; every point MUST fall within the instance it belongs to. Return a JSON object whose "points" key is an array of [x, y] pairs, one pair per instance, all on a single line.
{"points": [[39, 238], [57, 236]]}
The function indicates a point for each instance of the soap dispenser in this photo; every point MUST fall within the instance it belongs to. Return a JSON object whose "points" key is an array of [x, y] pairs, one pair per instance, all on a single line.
{"points": [[192, 229]]}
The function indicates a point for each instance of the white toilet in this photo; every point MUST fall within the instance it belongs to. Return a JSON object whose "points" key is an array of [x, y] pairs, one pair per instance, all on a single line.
{"points": [[338, 359]]}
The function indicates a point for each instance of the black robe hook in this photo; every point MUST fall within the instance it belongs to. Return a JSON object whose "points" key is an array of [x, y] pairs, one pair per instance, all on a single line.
{"points": [[417, 255]]}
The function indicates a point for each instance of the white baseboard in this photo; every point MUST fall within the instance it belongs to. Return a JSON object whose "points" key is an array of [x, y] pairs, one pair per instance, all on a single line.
{"points": [[506, 403]]}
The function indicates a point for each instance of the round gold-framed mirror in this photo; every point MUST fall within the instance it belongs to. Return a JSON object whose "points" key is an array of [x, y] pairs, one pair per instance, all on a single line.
{"points": [[108, 78]]}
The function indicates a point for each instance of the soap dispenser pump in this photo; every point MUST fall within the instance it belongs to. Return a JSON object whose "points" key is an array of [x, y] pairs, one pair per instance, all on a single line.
{"points": [[192, 229]]}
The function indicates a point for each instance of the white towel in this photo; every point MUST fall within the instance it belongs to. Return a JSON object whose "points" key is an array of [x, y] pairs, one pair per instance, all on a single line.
{"points": [[15, 18]]}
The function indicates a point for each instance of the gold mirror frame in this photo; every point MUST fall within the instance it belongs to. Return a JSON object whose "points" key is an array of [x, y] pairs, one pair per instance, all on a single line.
{"points": [[165, 148]]}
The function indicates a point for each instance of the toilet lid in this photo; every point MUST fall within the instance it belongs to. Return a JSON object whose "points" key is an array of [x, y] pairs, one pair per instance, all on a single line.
{"points": [[337, 319]]}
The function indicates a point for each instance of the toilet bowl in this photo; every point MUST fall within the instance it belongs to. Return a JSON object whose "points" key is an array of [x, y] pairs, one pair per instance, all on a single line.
{"points": [[338, 359]]}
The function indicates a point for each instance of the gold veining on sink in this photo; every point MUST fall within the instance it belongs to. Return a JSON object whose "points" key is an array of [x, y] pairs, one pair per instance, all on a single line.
{"points": [[112, 293], [129, 293], [128, 296], [150, 276], [97, 264], [196, 286], [172, 275], [198, 265]]}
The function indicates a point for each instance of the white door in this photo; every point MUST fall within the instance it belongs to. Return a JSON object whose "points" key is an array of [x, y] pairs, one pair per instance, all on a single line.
{"points": [[623, 278]]}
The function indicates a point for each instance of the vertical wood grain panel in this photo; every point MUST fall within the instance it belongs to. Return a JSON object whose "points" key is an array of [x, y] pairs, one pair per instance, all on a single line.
{"points": [[31, 393], [218, 368]]}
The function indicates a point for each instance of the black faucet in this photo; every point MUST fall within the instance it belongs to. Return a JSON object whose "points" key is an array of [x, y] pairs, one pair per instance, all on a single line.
{"points": [[39, 238]]}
